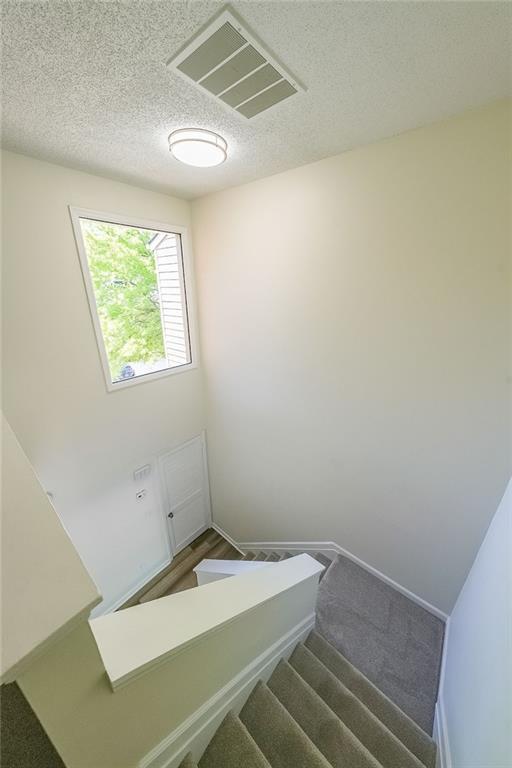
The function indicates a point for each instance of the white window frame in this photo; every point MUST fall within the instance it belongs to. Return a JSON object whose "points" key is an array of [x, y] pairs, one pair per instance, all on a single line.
{"points": [[187, 290]]}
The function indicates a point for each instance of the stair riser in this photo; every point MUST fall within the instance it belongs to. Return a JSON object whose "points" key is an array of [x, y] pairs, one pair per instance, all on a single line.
{"points": [[370, 731], [405, 729]]}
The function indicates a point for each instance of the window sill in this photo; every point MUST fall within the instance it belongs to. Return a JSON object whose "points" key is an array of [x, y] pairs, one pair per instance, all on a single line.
{"points": [[147, 377]]}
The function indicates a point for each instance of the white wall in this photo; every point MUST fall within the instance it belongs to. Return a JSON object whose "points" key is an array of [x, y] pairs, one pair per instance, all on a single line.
{"points": [[354, 328], [83, 442], [476, 695]]}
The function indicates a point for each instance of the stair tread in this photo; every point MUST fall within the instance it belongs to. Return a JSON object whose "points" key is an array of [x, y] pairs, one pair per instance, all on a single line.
{"points": [[279, 737], [332, 737], [371, 732], [261, 556], [323, 560], [220, 549], [232, 746], [273, 557], [188, 762], [174, 575], [249, 556], [410, 734], [213, 537], [188, 581]]}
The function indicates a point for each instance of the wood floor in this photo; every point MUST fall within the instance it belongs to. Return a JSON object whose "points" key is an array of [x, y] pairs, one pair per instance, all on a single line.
{"points": [[179, 575]]}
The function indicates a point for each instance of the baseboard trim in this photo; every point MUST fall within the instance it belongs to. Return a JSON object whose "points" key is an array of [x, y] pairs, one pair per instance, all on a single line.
{"points": [[441, 736], [330, 549], [444, 655], [440, 724], [228, 538], [110, 608], [194, 734]]}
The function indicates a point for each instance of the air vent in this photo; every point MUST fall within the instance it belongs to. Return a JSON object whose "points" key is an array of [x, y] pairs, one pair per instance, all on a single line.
{"points": [[231, 65]]}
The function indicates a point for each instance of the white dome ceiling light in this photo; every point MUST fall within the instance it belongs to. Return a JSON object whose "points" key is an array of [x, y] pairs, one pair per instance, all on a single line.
{"points": [[197, 146]]}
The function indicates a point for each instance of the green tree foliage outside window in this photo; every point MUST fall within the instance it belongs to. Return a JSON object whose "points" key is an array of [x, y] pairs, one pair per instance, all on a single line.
{"points": [[122, 268]]}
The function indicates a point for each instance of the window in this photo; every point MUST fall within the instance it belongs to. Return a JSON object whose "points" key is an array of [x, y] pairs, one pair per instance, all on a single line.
{"points": [[135, 279]]}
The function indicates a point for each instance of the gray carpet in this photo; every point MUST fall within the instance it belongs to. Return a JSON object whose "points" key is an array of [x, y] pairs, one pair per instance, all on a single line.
{"points": [[317, 711], [23, 742], [393, 641]]}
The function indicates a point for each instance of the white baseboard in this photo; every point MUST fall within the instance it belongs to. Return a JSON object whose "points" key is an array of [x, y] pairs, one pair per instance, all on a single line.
{"points": [[111, 607], [444, 657], [194, 734], [441, 737], [227, 537], [440, 724], [330, 549]]}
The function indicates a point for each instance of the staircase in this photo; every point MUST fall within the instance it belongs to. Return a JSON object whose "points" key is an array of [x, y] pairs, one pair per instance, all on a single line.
{"points": [[310, 709], [317, 711], [274, 557]]}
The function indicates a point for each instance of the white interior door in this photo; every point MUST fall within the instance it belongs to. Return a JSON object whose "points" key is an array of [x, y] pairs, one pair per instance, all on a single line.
{"points": [[186, 492]]}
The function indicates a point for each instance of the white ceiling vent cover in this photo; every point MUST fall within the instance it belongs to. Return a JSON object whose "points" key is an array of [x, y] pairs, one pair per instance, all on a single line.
{"points": [[231, 64]]}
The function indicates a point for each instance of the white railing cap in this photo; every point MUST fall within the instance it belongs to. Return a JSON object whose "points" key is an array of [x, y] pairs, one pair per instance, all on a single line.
{"points": [[137, 639], [231, 567]]}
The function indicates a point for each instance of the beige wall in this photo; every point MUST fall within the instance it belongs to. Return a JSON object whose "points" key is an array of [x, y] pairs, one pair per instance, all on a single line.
{"points": [[356, 345], [84, 442], [92, 727], [41, 595]]}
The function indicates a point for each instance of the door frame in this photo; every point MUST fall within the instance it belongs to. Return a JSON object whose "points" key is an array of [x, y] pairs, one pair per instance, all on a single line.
{"points": [[163, 488]]}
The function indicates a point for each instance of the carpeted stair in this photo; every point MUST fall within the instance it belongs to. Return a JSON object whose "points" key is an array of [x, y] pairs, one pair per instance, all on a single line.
{"points": [[317, 711], [274, 557]]}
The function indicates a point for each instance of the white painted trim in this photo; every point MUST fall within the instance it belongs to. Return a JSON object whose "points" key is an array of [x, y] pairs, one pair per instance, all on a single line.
{"points": [[207, 473], [228, 538], [440, 725], [76, 214], [206, 476], [164, 505], [441, 736], [197, 730], [231, 567], [330, 549], [444, 656], [143, 637], [214, 570], [133, 590]]}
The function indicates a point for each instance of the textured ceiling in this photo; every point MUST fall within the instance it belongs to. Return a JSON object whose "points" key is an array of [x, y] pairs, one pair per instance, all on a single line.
{"points": [[85, 84]]}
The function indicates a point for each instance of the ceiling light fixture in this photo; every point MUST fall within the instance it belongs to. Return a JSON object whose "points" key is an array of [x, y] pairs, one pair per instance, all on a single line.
{"points": [[197, 146]]}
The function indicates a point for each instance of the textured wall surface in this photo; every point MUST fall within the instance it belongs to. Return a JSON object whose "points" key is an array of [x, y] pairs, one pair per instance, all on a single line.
{"points": [[97, 94], [355, 334]]}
